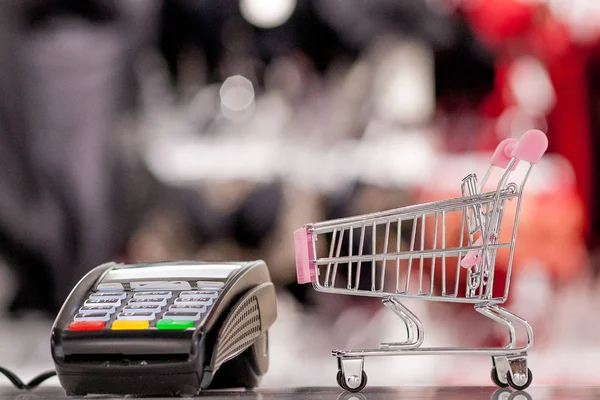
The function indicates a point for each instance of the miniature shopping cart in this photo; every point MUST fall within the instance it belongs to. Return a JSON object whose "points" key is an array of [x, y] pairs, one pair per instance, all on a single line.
{"points": [[439, 251]]}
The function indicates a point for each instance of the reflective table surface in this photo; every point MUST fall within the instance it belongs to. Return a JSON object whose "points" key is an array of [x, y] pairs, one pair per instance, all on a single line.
{"points": [[373, 393]]}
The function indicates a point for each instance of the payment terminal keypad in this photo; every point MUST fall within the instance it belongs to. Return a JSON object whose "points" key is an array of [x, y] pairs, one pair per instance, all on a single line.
{"points": [[163, 306]]}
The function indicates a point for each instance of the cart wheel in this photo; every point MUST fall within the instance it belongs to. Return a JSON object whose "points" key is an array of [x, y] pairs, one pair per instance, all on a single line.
{"points": [[342, 382], [513, 385], [340, 379], [496, 380]]}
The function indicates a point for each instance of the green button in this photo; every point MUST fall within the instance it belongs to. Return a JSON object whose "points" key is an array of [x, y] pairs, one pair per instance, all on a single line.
{"points": [[174, 324]]}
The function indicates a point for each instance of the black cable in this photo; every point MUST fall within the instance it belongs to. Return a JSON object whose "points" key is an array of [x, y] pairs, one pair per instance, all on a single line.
{"points": [[19, 384], [40, 378]]}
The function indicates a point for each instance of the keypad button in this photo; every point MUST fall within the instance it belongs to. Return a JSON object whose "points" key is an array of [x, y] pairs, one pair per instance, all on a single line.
{"points": [[160, 285], [135, 316], [98, 316], [110, 287], [124, 325], [210, 285], [200, 293], [164, 295], [204, 301], [188, 307], [97, 302], [87, 326], [99, 308], [174, 324], [108, 295], [192, 316], [157, 301], [142, 308]]}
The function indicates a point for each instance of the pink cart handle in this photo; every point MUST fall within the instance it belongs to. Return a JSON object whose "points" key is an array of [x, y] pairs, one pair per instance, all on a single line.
{"points": [[305, 271], [472, 257], [503, 153], [531, 147]]}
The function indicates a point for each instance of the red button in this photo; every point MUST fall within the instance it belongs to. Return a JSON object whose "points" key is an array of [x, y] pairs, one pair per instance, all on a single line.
{"points": [[87, 325]]}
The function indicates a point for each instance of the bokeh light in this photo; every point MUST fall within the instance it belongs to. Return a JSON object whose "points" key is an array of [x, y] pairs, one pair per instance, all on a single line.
{"points": [[267, 13]]}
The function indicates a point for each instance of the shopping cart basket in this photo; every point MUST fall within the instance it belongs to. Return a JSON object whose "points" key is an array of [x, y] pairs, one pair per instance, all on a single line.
{"points": [[393, 255]]}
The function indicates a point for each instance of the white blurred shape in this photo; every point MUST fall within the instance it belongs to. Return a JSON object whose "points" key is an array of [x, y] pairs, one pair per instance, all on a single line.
{"points": [[532, 290], [267, 13], [582, 17], [513, 122], [237, 93], [237, 97], [553, 173], [405, 79], [531, 86]]}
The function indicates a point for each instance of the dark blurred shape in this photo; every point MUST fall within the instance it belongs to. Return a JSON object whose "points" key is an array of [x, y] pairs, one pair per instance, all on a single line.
{"points": [[464, 67], [205, 25], [594, 104], [464, 71], [327, 30], [63, 66], [257, 216], [37, 12], [361, 22]]}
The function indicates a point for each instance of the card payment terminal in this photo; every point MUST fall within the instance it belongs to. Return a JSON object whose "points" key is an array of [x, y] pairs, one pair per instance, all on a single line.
{"points": [[172, 328]]}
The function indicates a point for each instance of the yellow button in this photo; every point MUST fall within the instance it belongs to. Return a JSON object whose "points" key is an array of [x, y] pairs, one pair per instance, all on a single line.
{"points": [[129, 325]]}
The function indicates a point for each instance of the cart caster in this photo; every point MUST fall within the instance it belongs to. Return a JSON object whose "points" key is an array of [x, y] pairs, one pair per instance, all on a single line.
{"points": [[500, 369], [519, 382], [497, 380], [357, 386], [351, 374]]}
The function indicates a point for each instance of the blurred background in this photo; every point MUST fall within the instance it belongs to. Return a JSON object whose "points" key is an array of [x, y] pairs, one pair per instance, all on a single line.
{"points": [[135, 130]]}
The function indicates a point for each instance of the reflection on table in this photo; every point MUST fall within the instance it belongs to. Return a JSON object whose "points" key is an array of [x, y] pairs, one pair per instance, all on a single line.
{"points": [[373, 393]]}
